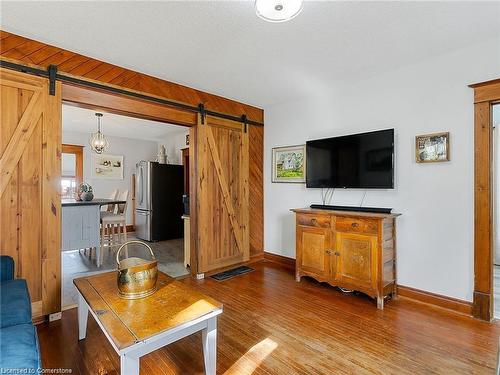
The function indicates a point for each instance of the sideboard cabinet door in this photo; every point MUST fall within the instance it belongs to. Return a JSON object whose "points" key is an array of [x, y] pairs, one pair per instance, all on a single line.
{"points": [[357, 261], [314, 251]]}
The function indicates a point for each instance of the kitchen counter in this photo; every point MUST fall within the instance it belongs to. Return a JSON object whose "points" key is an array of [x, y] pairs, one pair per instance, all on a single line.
{"points": [[81, 222], [94, 202]]}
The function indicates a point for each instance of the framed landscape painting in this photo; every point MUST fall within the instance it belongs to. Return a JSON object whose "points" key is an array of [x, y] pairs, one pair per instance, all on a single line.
{"points": [[432, 148], [107, 166], [289, 164]]}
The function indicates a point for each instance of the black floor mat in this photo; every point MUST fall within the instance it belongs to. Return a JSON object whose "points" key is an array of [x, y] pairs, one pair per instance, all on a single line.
{"points": [[221, 276]]}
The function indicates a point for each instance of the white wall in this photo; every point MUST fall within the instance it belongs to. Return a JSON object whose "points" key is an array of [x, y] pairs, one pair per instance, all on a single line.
{"points": [[435, 231], [175, 142], [133, 150]]}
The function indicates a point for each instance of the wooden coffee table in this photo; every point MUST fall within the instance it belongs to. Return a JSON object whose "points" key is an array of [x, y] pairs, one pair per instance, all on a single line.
{"points": [[137, 327]]}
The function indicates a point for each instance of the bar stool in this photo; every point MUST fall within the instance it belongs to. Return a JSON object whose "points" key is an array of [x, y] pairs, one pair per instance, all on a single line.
{"points": [[114, 221], [110, 209]]}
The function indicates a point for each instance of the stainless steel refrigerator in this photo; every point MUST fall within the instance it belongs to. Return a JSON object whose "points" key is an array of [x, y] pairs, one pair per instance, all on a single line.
{"points": [[158, 201]]}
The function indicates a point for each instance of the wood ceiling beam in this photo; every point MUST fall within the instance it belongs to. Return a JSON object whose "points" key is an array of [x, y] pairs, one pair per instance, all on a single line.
{"points": [[13, 48]]}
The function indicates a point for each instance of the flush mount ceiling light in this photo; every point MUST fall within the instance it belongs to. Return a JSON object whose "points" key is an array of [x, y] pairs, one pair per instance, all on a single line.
{"points": [[278, 10], [98, 141]]}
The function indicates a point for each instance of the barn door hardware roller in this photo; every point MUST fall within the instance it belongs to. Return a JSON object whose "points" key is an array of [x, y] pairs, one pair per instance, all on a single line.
{"points": [[52, 79], [245, 122], [203, 113]]}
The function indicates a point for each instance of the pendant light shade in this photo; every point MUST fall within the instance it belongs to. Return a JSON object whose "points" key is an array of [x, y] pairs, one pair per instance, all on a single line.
{"points": [[278, 10], [98, 141]]}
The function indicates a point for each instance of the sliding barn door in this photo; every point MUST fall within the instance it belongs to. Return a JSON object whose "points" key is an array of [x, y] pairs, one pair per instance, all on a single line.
{"points": [[222, 193], [30, 208]]}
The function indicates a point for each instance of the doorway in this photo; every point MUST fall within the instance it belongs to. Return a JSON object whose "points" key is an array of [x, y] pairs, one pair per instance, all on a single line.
{"points": [[132, 143], [45, 98]]}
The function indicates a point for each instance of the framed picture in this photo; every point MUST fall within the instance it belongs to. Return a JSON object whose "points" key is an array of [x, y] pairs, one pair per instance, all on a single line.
{"points": [[107, 166], [289, 164], [432, 148]]}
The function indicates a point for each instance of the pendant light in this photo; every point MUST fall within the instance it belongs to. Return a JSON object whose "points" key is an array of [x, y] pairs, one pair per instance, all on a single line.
{"points": [[98, 141], [278, 10]]}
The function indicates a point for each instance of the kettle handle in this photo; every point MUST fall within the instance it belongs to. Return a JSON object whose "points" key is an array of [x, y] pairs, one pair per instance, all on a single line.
{"points": [[130, 242]]}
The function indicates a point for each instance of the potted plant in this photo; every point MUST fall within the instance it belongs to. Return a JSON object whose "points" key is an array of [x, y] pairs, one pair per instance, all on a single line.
{"points": [[84, 192]]}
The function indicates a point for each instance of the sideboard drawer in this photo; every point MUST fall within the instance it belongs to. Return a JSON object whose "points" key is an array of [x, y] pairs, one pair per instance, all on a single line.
{"points": [[360, 225], [320, 221]]}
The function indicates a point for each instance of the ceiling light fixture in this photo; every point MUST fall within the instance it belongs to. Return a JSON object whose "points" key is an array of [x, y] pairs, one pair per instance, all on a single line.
{"points": [[98, 141], [278, 10]]}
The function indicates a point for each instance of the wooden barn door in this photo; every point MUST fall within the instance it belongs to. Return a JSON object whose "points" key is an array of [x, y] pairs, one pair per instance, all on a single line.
{"points": [[222, 193], [30, 208]]}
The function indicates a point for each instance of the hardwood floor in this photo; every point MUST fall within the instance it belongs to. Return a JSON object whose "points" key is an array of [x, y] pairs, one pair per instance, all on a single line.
{"points": [[273, 325]]}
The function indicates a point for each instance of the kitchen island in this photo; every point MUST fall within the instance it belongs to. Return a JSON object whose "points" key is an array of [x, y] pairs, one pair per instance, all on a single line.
{"points": [[81, 224]]}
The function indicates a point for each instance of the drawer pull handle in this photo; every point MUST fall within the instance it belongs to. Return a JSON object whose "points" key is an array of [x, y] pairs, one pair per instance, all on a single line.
{"points": [[314, 221], [354, 225]]}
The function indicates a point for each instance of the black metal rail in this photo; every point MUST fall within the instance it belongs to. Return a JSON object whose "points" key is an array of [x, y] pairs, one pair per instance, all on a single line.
{"points": [[52, 75]]}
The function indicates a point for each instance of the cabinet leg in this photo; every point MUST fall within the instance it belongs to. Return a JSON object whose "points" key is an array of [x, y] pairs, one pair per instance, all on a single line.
{"points": [[380, 303], [394, 291]]}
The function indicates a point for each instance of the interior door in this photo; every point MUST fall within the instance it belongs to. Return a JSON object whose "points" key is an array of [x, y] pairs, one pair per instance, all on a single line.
{"points": [[222, 193], [30, 170], [357, 259]]}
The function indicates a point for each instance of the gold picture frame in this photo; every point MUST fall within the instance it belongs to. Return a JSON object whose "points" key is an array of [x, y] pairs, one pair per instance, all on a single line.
{"points": [[432, 148]]}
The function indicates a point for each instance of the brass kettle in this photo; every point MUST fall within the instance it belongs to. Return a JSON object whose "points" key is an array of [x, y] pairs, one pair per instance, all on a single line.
{"points": [[136, 276]]}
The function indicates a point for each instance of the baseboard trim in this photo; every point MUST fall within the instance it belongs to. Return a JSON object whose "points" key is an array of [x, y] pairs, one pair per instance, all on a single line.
{"points": [[449, 303], [286, 262], [482, 308], [36, 309]]}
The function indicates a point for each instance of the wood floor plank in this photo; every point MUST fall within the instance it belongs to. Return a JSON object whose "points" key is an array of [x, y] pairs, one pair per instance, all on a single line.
{"points": [[273, 325]]}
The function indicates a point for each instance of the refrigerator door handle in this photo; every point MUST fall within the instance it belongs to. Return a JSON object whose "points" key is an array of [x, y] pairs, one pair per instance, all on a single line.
{"points": [[141, 185]]}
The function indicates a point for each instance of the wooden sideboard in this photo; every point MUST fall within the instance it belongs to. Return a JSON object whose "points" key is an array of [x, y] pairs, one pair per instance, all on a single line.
{"points": [[352, 250]]}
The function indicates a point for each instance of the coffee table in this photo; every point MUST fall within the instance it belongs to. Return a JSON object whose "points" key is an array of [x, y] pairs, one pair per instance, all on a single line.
{"points": [[137, 327]]}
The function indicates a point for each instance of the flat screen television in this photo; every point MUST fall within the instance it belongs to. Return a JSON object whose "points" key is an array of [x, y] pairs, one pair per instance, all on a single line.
{"points": [[364, 161]]}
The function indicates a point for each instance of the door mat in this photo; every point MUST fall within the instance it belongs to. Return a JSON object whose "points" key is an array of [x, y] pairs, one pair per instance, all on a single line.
{"points": [[221, 276]]}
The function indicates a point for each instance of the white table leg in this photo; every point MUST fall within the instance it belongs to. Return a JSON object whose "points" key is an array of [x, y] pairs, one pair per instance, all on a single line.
{"points": [[209, 341], [100, 249], [129, 365], [83, 314], [125, 238]]}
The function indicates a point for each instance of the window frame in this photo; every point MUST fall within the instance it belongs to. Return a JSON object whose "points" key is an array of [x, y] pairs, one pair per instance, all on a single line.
{"points": [[78, 152]]}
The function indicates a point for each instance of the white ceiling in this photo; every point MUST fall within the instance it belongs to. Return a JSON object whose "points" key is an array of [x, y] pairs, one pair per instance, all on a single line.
{"points": [[224, 48], [82, 120]]}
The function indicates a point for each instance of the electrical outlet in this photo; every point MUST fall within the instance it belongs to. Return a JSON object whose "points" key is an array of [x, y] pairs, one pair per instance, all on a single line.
{"points": [[55, 316]]}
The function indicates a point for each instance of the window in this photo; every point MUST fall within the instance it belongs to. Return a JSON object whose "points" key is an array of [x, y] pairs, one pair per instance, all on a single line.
{"points": [[71, 170]]}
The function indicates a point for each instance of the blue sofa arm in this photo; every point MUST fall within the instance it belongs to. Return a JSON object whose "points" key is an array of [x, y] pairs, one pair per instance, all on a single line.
{"points": [[6, 268], [15, 304]]}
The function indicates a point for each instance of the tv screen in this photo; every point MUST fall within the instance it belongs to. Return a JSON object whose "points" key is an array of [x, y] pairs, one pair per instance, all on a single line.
{"points": [[362, 161]]}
